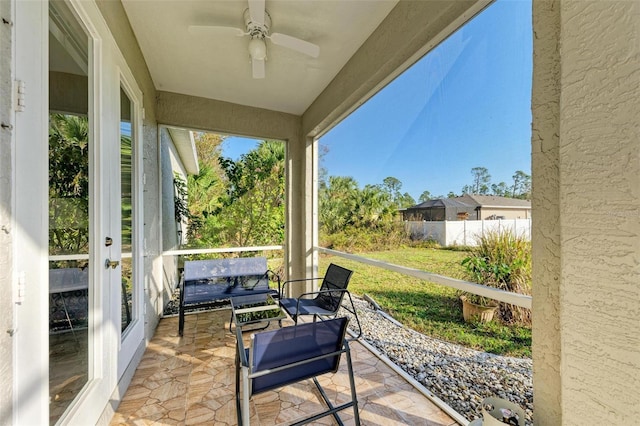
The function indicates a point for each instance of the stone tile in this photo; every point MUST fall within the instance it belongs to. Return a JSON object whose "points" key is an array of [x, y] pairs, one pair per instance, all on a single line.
{"points": [[191, 380], [169, 390]]}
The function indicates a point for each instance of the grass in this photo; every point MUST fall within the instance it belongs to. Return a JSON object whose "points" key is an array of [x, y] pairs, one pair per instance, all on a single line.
{"points": [[429, 308]]}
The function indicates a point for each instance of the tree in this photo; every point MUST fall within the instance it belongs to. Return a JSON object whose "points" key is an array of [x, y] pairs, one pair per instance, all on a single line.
{"points": [[323, 173], [481, 179], [205, 190], [68, 184], [392, 186], [209, 147], [521, 185], [425, 196], [500, 189], [405, 200], [373, 206], [337, 202], [343, 204], [252, 209]]}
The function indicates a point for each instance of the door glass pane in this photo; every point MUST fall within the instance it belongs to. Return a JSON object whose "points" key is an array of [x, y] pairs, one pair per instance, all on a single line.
{"points": [[126, 182], [69, 206]]}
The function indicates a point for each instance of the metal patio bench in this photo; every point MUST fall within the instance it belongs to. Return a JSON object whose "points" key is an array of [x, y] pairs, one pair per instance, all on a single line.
{"points": [[208, 282]]}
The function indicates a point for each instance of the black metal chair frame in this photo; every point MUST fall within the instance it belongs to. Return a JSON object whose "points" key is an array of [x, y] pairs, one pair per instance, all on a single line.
{"points": [[325, 288]]}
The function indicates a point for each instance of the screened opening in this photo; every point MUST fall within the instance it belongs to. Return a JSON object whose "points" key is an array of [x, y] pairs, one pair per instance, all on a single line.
{"points": [[222, 197], [433, 175]]}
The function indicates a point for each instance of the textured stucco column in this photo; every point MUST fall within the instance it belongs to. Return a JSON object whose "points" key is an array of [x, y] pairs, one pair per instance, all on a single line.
{"points": [[586, 210], [546, 212], [299, 226]]}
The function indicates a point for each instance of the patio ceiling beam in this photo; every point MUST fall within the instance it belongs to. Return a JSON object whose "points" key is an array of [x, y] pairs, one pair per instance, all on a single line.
{"points": [[194, 112]]}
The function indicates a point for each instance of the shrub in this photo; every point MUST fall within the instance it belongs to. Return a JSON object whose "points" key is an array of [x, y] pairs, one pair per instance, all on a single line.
{"points": [[502, 260], [366, 239]]}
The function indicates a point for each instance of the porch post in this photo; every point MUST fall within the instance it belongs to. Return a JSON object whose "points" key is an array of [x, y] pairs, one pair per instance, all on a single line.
{"points": [[586, 202], [545, 203], [301, 225]]}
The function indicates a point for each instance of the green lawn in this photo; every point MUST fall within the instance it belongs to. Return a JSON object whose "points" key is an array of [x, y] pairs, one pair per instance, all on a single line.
{"points": [[430, 308]]}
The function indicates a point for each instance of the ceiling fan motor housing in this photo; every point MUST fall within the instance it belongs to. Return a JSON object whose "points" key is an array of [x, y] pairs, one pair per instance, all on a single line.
{"points": [[257, 30]]}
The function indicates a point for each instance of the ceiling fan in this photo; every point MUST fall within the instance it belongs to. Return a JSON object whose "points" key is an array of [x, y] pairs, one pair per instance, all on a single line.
{"points": [[258, 23]]}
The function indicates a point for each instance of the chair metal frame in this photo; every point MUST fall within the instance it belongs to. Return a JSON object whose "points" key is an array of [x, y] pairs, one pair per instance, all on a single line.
{"points": [[307, 305], [283, 340]]}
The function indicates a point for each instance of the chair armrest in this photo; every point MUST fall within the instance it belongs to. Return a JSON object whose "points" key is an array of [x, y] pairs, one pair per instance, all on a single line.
{"points": [[337, 290], [281, 288]]}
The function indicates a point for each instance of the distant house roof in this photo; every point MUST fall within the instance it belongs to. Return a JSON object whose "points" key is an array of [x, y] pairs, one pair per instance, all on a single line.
{"points": [[472, 200], [495, 201]]}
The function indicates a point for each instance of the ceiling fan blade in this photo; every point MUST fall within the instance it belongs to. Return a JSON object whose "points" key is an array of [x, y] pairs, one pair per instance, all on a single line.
{"points": [[215, 30], [296, 44], [256, 11], [258, 68]]}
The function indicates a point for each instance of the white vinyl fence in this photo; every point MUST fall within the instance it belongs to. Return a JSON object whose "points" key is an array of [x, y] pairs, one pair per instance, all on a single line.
{"points": [[465, 232]]}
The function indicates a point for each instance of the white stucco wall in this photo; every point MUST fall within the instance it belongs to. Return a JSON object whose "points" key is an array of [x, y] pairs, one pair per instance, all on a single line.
{"points": [[586, 158], [169, 162], [6, 237]]}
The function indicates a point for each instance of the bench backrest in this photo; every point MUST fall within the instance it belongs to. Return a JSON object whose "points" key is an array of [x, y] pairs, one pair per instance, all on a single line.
{"points": [[68, 279], [220, 268]]}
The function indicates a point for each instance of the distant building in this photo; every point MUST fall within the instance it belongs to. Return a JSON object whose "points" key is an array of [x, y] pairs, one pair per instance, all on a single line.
{"points": [[469, 207]]}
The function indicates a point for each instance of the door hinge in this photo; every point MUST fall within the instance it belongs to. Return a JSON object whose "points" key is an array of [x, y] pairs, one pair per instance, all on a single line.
{"points": [[20, 95], [21, 290]]}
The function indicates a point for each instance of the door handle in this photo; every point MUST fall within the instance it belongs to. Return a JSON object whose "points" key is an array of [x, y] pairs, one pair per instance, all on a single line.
{"points": [[113, 264]]}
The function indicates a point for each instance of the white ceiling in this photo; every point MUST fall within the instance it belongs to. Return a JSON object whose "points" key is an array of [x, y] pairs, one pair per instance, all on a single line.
{"points": [[220, 67]]}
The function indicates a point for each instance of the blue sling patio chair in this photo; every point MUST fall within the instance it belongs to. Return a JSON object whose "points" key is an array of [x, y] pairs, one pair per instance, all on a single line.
{"points": [[289, 355], [322, 303]]}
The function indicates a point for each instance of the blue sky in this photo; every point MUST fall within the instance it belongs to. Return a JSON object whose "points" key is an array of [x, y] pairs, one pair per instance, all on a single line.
{"points": [[465, 104]]}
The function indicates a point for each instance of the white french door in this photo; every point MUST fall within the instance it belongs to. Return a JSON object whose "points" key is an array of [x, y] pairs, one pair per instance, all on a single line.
{"points": [[129, 305], [78, 204]]}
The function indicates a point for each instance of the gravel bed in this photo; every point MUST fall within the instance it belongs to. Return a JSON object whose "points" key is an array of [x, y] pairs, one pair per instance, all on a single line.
{"points": [[460, 376]]}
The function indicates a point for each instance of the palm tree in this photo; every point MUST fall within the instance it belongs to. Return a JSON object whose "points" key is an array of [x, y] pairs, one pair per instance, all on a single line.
{"points": [[68, 184]]}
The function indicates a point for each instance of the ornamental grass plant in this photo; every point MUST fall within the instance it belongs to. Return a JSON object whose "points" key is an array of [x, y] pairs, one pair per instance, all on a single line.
{"points": [[502, 260]]}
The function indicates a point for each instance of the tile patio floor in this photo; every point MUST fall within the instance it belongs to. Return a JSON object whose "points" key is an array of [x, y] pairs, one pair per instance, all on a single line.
{"points": [[191, 380]]}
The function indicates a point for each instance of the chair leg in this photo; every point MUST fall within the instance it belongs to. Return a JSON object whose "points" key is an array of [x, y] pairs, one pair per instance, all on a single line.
{"points": [[352, 383], [181, 321], [238, 409], [242, 407], [245, 396], [328, 402], [66, 314]]}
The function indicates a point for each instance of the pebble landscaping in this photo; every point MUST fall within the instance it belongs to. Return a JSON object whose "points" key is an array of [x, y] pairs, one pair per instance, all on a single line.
{"points": [[460, 376]]}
